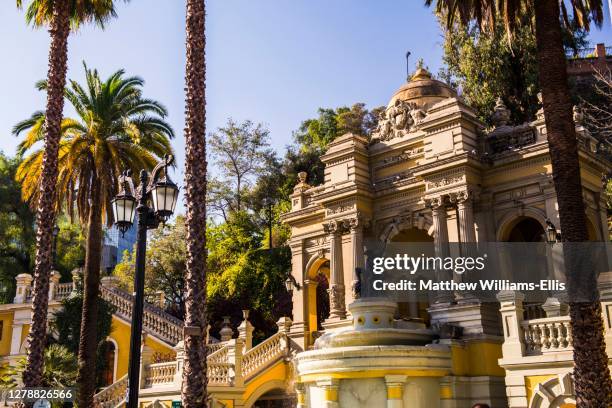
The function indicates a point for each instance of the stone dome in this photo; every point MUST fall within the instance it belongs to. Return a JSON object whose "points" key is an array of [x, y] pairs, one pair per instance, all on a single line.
{"points": [[423, 90]]}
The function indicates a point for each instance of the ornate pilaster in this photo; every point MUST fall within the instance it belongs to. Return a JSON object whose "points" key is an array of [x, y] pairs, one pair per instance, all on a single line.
{"points": [[438, 210], [300, 391], [465, 213], [356, 226], [336, 287]]}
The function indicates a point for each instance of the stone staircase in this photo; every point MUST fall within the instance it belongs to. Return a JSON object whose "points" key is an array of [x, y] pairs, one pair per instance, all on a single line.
{"points": [[230, 364]]}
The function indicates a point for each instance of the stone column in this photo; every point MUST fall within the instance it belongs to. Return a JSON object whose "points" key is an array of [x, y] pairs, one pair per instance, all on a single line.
{"points": [[146, 355], [511, 309], [299, 296], [234, 355], [336, 287], [356, 226], [395, 390], [465, 213], [180, 362], [438, 210], [330, 392]]}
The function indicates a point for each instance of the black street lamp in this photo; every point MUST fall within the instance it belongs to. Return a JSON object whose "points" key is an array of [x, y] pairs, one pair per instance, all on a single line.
{"points": [[161, 194]]}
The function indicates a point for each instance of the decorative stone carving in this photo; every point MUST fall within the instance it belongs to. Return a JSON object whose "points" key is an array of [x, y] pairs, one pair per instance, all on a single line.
{"points": [[578, 116], [337, 303], [397, 120]]}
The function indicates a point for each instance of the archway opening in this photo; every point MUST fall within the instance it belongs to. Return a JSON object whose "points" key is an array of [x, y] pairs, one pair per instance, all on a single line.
{"points": [[322, 297], [108, 358], [526, 229], [276, 398]]}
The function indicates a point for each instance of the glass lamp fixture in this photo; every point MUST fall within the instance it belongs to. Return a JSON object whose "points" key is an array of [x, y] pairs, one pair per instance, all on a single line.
{"points": [[124, 204]]}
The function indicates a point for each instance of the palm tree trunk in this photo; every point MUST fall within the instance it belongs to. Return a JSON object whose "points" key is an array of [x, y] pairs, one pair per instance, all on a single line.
{"points": [[88, 345], [193, 393], [45, 217], [591, 373]]}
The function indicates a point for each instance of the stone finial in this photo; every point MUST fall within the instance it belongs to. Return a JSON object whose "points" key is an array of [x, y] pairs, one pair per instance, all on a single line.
{"points": [[245, 330], [226, 332], [284, 324], [501, 114]]}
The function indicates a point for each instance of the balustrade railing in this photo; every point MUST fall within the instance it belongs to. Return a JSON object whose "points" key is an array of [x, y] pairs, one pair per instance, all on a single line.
{"points": [[220, 373], [155, 320], [111, 396], [160, 373], [63, 290], [219, 356], [263, 354], [552, 334]]}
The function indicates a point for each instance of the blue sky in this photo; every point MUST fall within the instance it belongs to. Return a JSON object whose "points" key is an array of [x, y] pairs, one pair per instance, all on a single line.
{"points": [[271, 61]]}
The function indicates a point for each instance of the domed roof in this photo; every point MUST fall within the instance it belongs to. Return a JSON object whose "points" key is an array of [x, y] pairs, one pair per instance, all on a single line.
{"points": [[423, 90]]}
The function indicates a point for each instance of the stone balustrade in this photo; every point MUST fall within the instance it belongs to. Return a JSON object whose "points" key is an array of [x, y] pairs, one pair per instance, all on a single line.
{"points": [[112, 395], [220, 373], [160, 373], [547, 335], [155, 320], [263, 354], [63, 290]]}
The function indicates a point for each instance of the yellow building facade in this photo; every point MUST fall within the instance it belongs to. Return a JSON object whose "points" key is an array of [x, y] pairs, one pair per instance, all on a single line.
{"points": [[431, 174]]}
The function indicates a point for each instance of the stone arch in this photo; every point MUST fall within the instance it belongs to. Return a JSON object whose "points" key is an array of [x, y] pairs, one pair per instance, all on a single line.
{"points": [[400, 224], [313, 299], [511, 218], [557, 392], [116, 356], [314, 264], [272, 385]]}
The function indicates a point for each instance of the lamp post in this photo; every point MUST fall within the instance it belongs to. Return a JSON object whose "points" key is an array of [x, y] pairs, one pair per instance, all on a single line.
{"points": [[162, 194], [552, 236]]}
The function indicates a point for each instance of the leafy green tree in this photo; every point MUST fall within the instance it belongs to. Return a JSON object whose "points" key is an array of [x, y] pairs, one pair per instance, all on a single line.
{"points": [[116, 129], [67, 326], [60, 17], [17, 235], [164, 268], [240, 151], [486, 67], [593, 383], [317, 133]]}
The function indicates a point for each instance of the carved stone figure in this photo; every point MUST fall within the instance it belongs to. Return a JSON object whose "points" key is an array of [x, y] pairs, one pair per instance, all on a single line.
{"points": [[396, 120]]}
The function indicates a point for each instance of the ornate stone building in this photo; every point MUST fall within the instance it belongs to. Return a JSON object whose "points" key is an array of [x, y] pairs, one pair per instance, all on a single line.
{"points": [[433, 173]]}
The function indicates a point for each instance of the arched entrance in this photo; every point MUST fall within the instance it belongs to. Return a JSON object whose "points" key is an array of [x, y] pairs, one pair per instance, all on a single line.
{"points": [[417, 242], [526, 229], [316, 283]]}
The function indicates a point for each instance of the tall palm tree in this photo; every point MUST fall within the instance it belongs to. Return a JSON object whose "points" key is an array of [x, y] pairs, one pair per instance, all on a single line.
{"points": [[591, 373], [193, 392], [115, 129], [60, 17]]}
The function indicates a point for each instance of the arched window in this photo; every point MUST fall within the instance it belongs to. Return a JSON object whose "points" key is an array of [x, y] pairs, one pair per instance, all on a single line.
{"points": [[109, 352]]}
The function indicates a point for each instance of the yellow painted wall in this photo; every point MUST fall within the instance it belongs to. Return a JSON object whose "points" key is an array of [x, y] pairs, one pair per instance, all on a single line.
{"points": [[274, 373], [120, 332], [476, 359], [532, 381], [7, 333]]}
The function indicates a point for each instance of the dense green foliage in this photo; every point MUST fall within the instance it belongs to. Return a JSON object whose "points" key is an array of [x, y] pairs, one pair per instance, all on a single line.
{"points": [[485, 67], [16, 229], [17, 234], [67, 327]]}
